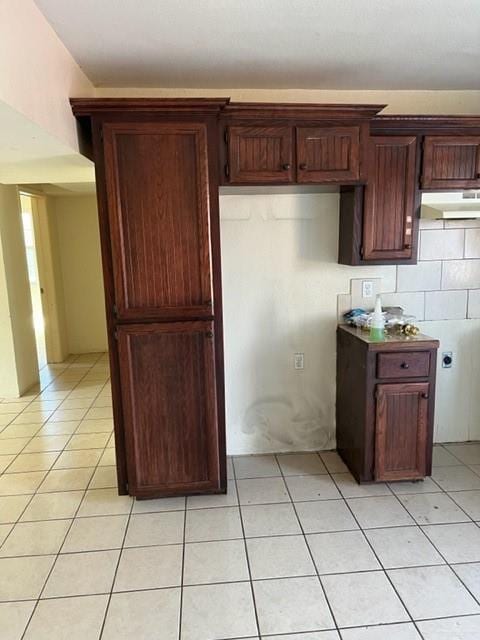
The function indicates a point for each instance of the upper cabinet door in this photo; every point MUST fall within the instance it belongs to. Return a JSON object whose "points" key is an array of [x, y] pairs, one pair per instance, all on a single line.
{"points": [[158, 204], [260, 155], [328, 154], [389, 214], [451, 162]]}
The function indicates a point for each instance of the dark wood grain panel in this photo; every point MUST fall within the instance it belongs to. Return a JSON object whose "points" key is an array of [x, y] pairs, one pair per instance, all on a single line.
{"points": [[390, 208], [260, 155], [328, 154], [451, 162], [401, 431], [410, 364], [158, 201], [168, 391]]}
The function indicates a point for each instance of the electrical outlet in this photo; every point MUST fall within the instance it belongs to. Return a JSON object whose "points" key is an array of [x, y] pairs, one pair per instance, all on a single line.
{"points": [[367, 289], [298, 360]]}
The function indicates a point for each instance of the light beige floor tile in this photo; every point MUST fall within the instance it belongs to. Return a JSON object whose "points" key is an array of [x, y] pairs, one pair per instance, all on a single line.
{"points": [[349, 487], [33, 417], [456, 478], [66, 480], [104, 502], [42, 405], [142, 615], [466, 453], [404, 631], [47, 443], [98, 533], [291, 605], [469, 574], [341, 552], [87, 441], [5, 461], [14, 617], [255, 467], [159, 504], [399, 547], [218, 611], [23, 578], [65, 415], [359, 599], [155, 529], [20, 431], [279, 557], [209, 562], [149, 568], [469, 501], [76, 403], [333, 462], [12, 407], [229, 499], [433, 508], [325, 516], [35, 538], [427, 485], [262, 491], [104, 478], [432, 592], [456, 542], [58, 428], [230, 471], [19, 483], [42, 461], [76, 574], [108, 458], [78, 459], [99, 413], [382, 511], [301, 464], [75, 618], [11, 507], [12, 445], [4, 531], [312, 488], [467, 628], [51, 506], [269, 520], [96, 426], [221, 523]]}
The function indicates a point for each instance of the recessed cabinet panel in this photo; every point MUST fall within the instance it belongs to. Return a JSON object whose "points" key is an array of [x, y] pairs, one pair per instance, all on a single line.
{"points": [[389, 213], [168, 396], [451, 162], [401, 431], [158, 205], [328, 154], [260, 154]]}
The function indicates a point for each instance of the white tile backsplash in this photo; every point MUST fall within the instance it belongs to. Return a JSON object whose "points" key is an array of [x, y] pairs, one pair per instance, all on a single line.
{"points": [[461, 274], [412, 303], [472, 243], [442, 244], [462, 224], [356, 292], [473, 304], [445, 305], [424, 276]]}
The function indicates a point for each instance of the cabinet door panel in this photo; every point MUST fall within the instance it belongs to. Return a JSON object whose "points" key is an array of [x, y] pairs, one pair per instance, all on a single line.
{"points": [[390, 216], [451, 162], [168, 393], [260, 154], [328, 154], [157, 189], [401, 431]]}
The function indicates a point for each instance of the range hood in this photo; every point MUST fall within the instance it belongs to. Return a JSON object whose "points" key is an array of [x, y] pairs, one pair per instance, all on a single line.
{"points": [[451, 210]]}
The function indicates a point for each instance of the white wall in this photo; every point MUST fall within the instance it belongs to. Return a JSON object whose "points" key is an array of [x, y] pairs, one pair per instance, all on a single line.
{"points": [[81, 270], [280, 286]]}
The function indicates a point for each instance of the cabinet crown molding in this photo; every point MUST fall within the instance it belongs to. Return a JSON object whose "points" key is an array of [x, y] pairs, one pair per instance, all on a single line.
{"points": [[91, 106]]}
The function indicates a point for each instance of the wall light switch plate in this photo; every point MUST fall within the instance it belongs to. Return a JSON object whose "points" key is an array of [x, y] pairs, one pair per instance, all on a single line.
{"points": [[367, 289], [298, 360]]}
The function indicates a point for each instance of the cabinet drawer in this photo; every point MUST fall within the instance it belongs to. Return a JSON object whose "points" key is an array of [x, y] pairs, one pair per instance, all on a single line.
{"points": [[410, 364]]}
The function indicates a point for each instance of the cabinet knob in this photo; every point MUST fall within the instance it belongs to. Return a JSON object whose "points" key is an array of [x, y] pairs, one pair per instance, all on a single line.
{"points": [[208, 302], [405, 365], [425, 396], [303, 166], [209, 334], [407, 246], [286, 166]]}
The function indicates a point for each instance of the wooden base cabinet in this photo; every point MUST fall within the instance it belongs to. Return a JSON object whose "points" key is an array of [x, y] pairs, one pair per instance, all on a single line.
{"points": [[385, 405]]}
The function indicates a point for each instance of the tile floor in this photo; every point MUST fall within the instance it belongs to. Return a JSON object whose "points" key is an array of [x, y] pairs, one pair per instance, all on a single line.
{"points": [[295, 551]]}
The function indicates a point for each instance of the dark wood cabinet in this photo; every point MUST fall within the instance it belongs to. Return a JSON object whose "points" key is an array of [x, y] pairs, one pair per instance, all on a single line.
{"points": [[170, 408], [157, 192], [379, 222], [451, 162], [385, 405], [260, 155], [328, 154], [401, 430]]}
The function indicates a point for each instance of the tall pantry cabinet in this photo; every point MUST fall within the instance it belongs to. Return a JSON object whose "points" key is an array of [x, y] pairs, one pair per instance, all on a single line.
{"points": [[157, 183]]}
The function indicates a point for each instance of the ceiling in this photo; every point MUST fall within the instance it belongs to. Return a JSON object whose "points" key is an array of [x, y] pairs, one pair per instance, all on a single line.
{"points": [[314, 44]]}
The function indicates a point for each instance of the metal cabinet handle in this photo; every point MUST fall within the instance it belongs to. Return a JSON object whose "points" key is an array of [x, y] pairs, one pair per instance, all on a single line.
{"points": [[303, 166], [209, 334], [407, 246], [425, 396], [286, 166], [405, 365]]}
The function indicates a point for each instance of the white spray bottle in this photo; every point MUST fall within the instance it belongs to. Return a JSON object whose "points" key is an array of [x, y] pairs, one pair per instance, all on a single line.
{"points": [[377, 325]]}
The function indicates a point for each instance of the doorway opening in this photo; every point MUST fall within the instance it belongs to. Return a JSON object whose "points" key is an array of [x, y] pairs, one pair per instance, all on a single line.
{"points": [[29, 222]]}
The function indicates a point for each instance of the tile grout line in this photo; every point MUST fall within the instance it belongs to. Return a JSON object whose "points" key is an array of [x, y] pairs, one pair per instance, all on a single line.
{"points": [[182, 573]]}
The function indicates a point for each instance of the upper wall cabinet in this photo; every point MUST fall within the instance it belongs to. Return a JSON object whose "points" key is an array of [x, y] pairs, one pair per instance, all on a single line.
{"points": [[157, 190], [328, 154], [260, 155], [451, 162]]}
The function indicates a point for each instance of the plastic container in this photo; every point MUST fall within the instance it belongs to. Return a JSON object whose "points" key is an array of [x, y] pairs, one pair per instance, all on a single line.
{"points": [[377, 323]]}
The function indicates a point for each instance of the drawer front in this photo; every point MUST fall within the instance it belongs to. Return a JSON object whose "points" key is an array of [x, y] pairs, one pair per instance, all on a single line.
{"points": [[407, 364]]}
